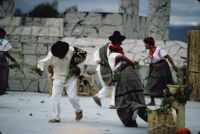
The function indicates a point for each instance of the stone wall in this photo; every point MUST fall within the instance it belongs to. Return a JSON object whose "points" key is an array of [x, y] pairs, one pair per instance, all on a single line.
{"points": [[102, 25], [31, 39], [159, 19], [129, 7], [6, 8]]}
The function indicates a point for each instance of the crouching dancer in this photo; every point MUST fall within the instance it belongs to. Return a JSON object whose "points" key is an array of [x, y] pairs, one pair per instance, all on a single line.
{"points": [[63, 58], [129, 96]]}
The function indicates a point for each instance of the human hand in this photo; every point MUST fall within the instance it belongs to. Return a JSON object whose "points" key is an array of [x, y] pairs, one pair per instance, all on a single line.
{"points": [[99, 62], [109, 83], [40, 72]]}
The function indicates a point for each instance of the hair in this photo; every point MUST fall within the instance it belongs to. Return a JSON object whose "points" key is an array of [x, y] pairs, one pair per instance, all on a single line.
{"points": [[2, 33], [60, 49], [149, 40]]}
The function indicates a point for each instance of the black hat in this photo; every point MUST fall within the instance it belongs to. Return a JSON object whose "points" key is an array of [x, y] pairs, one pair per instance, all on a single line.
{"points": [[60, 49], [117, 37]]}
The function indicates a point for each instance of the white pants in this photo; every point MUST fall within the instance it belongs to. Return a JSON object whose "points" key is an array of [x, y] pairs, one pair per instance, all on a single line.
{"points": [[71, 87], [105, 90]]}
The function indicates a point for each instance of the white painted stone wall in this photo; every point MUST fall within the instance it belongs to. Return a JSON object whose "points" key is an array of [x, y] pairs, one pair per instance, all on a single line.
{"points": [[102, 25], [159, 19], [6, 8], [129, 7]]}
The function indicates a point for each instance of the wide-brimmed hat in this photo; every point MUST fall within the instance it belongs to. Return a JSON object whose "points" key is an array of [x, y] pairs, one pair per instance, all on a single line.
{"points": [[117, 37]]}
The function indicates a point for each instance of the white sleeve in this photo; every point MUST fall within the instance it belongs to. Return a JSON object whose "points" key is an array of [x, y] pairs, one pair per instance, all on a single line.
{"points": [[45, 61], [162, 53], [96, 56]]}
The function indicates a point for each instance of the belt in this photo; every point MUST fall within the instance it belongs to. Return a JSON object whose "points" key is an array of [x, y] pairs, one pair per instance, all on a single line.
{"points": [[128, 67], [159, 64]]}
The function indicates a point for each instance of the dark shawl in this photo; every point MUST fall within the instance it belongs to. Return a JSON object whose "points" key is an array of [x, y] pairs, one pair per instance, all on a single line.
{"points": [[129, 96], [105, 70]]}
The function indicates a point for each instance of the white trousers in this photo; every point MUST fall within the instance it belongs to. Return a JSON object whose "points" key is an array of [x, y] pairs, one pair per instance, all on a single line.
{"points": [[105, 90], [71, 87]]}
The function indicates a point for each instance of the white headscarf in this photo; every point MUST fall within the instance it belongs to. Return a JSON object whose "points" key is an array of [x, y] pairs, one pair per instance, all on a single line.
{"points": [[5, 45]]}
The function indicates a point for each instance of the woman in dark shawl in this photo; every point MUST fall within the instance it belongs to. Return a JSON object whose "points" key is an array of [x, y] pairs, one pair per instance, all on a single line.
{"points": [[129, 96]]}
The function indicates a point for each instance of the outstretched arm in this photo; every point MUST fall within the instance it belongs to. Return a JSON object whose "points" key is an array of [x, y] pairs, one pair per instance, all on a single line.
{"points": [[9, 56], [172, 63], [124, 58]]}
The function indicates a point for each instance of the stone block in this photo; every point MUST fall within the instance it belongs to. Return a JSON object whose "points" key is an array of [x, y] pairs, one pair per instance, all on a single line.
{"points": [[43, 85], [55, 31], [10, 21], [83, 42], [69, 40], [45, 39], [100, 41], [42, 49], [55, 22], [30, 60], [74, 17], [68, 28], [40, 31], [16, 48], [92, 19], [15, 84], [112, 19], [38, 21], [26, 30], [29, 48], [77, 31], [33, 86], [28, 39], [91, 32], [106, 31], [13, 38]]}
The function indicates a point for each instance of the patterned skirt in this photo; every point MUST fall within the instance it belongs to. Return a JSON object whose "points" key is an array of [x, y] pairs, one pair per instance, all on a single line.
{"points": [[129, 96], [159, 77]]}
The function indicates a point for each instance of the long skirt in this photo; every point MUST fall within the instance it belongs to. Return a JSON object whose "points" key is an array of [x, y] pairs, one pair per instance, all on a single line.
{"points": [[3, 75], [159, 77], [129, 96]]}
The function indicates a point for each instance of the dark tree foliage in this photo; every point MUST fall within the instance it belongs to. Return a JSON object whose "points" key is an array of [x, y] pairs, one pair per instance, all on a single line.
{"points": [[45, 10]]}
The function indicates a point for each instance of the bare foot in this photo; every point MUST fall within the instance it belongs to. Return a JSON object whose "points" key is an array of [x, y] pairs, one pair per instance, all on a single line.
{"points": [[151, 104]]}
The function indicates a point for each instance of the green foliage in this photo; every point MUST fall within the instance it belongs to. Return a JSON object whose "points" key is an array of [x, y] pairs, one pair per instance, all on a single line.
{"points": [[72, 72], [46, 10], [178, 78], [115, 75], [104, 62], [34, 69], [17, 66]]}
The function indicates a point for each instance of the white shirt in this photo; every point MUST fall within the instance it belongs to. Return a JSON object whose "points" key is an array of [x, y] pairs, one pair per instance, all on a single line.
{"points": [[112, 59], [5, 45], [61, 66], [158, 55], [97, 57]]}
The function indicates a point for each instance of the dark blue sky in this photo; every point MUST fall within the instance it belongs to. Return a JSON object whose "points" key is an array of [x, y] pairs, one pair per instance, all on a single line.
{"points": [[183, 12]]}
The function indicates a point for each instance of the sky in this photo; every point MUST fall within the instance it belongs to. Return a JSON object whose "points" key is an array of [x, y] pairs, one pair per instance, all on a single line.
{"points": [[183, 12]]}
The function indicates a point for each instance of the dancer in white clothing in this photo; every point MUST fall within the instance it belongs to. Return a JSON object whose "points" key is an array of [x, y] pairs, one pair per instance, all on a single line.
{"points": [[104, 70], [61, 56]]}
